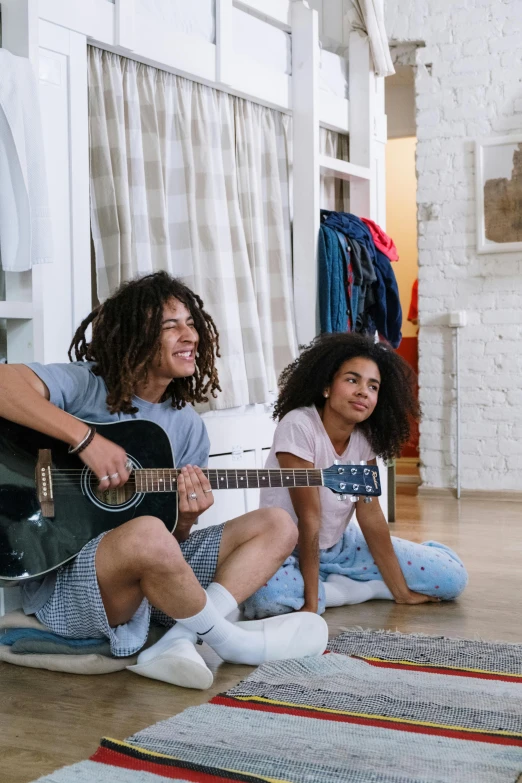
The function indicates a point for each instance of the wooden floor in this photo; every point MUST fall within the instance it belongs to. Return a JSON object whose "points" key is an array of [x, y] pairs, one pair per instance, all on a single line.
{"points": [[48, 720]]}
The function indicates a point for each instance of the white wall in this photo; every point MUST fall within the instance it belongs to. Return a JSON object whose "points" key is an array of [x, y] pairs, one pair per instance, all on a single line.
{"points": [[468, 84]]}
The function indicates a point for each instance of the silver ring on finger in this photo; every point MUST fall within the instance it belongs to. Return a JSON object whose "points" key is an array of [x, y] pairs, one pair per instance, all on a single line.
{"points": [[206, 491], [114, 475], [193, 496], [128, 465], [104, 478]]}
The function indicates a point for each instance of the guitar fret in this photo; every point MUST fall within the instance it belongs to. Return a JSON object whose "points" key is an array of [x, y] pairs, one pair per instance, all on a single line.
{"points": [[288, 478], [276, 478], [263, 477]]}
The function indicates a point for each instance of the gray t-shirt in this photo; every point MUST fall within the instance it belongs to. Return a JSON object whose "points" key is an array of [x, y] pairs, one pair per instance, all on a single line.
{"points": [[75, 389]]}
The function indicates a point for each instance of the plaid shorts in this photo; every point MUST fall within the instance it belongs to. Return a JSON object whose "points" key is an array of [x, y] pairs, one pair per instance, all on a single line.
{"points": [[75, 608]]}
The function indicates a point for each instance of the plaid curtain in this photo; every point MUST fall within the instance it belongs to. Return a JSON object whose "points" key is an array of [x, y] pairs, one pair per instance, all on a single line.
{"points": [[191, 180]]}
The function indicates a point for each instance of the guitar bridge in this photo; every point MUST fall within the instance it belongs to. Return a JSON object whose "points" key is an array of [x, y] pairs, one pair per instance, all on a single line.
{"points": [[44, 483]]}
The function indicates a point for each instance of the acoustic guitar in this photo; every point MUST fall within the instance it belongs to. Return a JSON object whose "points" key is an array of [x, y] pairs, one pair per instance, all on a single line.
{"points": [[50, 504]]}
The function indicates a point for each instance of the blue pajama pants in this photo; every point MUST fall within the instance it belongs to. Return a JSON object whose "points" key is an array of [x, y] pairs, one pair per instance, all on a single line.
{"points": [[430, 568]]}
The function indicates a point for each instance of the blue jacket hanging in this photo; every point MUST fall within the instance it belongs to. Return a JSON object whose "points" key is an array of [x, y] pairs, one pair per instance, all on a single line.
{"points": [[386, 311], [333, 304]]}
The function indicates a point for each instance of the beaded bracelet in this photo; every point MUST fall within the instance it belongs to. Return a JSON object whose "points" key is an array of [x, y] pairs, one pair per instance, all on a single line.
{"points": [[83, 443]]}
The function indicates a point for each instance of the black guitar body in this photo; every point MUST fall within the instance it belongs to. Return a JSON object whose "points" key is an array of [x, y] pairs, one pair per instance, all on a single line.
{"points": [[32, 544]]}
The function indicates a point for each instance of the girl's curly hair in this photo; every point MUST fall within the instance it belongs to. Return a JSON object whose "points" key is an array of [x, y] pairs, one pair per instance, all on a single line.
{"points": [[126, 336], [303, 382]]}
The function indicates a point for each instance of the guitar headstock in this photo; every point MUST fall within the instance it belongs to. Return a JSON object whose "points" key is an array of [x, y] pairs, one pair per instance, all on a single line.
{"points": [[359, 480]]}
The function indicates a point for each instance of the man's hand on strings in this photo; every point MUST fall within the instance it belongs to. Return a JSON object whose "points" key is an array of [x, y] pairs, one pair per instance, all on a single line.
{"points": [[107, 461], [194, 497]]}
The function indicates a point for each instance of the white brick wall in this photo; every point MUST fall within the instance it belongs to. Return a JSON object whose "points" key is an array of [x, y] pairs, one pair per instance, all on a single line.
{"points": [[468, 84]]}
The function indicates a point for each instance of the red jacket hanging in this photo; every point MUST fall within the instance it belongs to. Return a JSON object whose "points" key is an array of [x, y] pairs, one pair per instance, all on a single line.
{"points": [[382, 241]]}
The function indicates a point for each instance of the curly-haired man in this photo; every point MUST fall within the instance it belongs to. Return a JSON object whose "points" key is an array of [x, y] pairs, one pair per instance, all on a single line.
{"points": [[151, 354]]}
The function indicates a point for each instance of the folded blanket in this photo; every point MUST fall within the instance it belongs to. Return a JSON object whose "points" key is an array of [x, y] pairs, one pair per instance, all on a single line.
{"points": [[83, 661], [34, 640]]}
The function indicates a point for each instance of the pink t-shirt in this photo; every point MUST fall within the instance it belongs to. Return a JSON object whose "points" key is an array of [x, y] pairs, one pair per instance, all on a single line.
{"points": [[301, 433]]}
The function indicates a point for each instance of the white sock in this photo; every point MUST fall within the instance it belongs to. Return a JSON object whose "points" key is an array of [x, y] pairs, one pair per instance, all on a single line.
{"points": [[224, 602], [222, 599], [231, 642], [341, 590]]}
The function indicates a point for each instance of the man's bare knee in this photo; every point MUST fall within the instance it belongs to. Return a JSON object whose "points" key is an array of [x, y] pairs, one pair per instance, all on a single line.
{"points": [[281, 527], [148, 544]]}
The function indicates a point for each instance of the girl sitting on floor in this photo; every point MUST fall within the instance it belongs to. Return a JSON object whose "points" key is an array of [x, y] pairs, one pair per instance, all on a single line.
{"points": [[349, 399]]}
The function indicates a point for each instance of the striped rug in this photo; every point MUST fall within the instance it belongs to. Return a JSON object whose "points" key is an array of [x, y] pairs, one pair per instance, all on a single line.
{"points": [[379, 708]]}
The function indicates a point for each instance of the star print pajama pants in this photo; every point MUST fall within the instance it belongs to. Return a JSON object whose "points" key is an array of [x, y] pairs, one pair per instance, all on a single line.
{"points": [[430, 568]]}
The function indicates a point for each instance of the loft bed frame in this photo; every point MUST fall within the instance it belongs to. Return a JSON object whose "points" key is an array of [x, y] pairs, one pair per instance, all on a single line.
{"points": [[55, 33]]}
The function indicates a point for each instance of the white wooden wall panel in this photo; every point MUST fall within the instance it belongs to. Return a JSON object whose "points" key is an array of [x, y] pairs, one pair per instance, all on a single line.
{"points": [[277, 12], [64, 285], [124, 28], [238, 441], [334, 112], [306, 175], [125, 23], [231, 503], [95, 18]]}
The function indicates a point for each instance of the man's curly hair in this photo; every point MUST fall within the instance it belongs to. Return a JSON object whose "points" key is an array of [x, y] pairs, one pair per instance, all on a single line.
{"points": [[303, 382], [126, 336]]}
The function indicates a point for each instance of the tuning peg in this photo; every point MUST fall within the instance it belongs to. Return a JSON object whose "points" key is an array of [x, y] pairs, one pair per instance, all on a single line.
{"points": [[362, 462], [367, 500], [354, 498]]}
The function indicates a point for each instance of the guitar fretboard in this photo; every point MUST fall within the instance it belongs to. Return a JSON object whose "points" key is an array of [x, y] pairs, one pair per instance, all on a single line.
{"points": [[165, 480]]}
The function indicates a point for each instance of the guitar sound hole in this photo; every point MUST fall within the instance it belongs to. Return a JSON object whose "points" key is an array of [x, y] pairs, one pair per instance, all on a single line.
{"points": [[113, 497]]}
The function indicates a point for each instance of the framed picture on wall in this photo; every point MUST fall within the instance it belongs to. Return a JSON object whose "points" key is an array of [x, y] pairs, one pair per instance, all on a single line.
{"points": [[499, 194]]}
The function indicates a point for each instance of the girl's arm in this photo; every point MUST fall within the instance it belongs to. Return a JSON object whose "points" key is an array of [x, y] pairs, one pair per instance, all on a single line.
{"points": [[377, 534], [307, 506]]}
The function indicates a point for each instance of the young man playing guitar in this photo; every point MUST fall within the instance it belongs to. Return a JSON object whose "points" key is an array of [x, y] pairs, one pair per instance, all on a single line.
{"points": [[152, 354]]}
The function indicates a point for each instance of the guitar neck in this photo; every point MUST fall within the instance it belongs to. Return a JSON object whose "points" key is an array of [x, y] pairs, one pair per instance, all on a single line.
{"points": [[165, 480]]}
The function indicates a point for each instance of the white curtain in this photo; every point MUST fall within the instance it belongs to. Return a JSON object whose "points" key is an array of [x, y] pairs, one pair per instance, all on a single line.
{"points": [[196, 182], [368, 16]]}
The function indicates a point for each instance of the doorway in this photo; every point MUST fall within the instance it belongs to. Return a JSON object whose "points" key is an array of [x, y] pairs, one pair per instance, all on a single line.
{"points": [[401, 224]]}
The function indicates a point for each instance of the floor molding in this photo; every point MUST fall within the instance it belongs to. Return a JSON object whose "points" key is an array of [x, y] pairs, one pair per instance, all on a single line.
{"points": [[510, 496]]}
